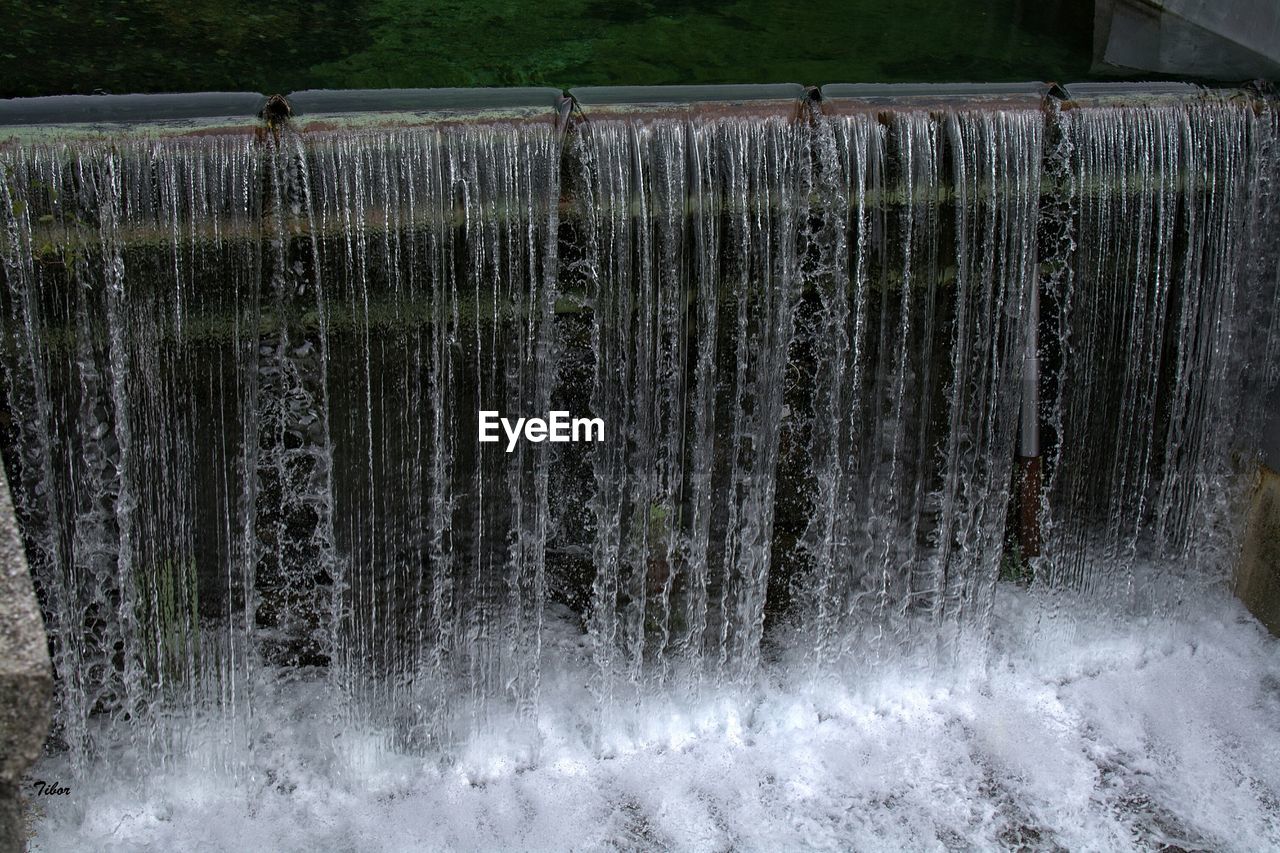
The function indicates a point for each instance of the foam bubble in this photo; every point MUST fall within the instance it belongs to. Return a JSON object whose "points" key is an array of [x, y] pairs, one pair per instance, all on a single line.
{"points": [[1109, 736]]}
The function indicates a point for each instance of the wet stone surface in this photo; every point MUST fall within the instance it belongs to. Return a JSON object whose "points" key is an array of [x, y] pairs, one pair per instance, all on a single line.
{"points": [[25, 678]]}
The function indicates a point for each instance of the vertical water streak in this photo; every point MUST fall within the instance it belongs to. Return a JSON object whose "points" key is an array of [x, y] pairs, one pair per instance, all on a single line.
{"points": [[924, 255], [294, 570], [99, 380], [1149, 320], [689, 242]]}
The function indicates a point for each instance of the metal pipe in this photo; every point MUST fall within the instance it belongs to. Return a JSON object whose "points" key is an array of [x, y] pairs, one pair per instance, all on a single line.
{"points": [[565, 105]]}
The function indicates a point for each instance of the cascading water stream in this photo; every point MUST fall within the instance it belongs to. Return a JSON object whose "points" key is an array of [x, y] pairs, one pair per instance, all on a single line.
{"points": [[921, 264], [1156, 338], [690, 326], [243, 382]]}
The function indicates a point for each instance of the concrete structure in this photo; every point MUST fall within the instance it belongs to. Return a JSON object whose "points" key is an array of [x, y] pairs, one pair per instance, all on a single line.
{"points": [[26, 679], [1215, 39], [1258, 579]]}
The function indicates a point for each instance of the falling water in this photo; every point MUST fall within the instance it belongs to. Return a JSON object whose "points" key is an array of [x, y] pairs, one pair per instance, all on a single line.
{"points": [[1160, 320], [243, 379], [920, 264], [688, 267]]}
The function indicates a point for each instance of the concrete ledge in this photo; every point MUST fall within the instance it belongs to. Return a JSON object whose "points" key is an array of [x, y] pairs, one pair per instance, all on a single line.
{"points": [[26, 679], [643, 103], [341, 101], [123, 109], [1258, 577], [1132, 91], [844, 98], [603, 96]]}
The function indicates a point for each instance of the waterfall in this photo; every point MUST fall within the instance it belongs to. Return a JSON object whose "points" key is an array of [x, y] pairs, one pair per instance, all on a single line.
{"points": [[690, 330], [922, 263], [1155, 339], [243, 379]]}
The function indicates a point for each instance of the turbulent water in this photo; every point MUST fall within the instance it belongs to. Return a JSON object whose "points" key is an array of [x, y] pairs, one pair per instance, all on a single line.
{"points": [[243, 379]]}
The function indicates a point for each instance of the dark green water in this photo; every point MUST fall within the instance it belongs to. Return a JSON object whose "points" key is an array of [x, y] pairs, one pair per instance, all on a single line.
{"points": [[81, 46]]}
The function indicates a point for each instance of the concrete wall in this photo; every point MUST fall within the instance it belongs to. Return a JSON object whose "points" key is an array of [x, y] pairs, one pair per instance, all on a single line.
{"points": [[1258, 579], [1258, 576], [1217, 39], [26, 680]]}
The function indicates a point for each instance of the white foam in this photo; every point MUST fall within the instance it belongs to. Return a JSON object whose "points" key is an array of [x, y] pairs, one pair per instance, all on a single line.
{"points": [[1101, 735]]}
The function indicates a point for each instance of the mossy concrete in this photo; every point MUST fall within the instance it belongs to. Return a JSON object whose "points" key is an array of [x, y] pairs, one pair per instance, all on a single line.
{"points": [[26, 678], [1258, 577]]}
